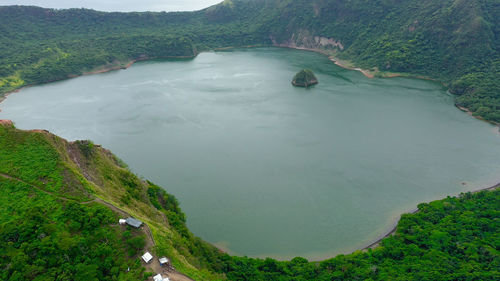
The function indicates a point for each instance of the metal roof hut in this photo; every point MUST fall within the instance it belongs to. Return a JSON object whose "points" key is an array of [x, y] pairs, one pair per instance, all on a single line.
{"points": [[160, 278], [163, 261], [147, 257], [134, 222]]}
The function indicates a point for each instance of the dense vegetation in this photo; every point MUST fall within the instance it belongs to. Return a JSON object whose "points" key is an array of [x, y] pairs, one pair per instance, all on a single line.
{"points": [[46, 231], [44, 238], [58, 44]]}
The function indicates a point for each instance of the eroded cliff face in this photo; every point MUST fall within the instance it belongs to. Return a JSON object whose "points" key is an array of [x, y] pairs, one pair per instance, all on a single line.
{"points": [[303, 39]]}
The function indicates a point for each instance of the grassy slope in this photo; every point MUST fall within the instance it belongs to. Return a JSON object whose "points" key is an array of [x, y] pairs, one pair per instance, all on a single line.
{"points": [[79, 172]]}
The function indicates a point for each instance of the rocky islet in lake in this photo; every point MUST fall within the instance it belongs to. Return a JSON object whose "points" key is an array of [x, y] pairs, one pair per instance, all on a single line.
{"points": [[305, 78]]}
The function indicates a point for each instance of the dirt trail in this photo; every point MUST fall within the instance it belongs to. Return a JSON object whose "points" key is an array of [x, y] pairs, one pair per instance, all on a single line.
{"points": [[177, 276], [6, 122], [43, 190], [154, 266]]}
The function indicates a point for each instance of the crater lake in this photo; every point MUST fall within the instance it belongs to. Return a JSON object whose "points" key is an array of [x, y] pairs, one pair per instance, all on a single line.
{"points": [[262, 168]]}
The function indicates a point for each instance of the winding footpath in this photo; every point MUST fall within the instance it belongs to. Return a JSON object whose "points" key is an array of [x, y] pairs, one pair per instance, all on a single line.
{"points": [[43, 190]]}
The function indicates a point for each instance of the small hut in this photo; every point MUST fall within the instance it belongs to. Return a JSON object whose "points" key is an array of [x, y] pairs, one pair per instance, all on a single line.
{"points": [[147, 257], [134, 222], [160, 278], [163, 261]]}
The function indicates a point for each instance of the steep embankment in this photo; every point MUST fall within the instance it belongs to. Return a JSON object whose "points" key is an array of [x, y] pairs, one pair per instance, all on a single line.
{"points": [[68, 198]]}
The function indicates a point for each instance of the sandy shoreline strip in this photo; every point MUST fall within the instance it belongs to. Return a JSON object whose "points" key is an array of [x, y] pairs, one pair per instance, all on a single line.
{"points": [[333, 59], [367, 73]]}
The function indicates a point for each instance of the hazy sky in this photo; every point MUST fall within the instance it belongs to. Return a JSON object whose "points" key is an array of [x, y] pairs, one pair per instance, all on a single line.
{"points": [[119, 5]]}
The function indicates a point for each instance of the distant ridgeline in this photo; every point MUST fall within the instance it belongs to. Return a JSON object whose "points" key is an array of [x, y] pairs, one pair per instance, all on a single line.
{"points": [[455, 42]]}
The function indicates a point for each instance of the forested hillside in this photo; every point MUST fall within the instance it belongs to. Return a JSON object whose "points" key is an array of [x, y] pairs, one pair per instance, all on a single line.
{"points": [[454, 41], [57, 44], [57, 221]]}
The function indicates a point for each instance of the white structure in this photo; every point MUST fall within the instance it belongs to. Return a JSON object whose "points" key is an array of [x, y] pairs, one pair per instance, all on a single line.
{"points": [[160, 278], [147, 257], [122, 221], [163, 261]]}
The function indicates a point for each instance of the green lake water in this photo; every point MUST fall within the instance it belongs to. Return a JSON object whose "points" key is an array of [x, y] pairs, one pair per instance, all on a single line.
{"points": [[265, 169]]}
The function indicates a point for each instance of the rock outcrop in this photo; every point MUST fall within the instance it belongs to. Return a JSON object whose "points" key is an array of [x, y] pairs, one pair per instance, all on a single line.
{"points": [[303, 39], [305, 78]]}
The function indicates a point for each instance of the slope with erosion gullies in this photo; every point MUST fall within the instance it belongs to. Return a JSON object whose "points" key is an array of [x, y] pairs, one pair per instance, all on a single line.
{"points": [[77, 189]]}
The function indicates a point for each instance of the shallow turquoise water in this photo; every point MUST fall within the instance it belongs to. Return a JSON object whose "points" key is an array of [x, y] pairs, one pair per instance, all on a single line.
{"points": [[265, 169]]}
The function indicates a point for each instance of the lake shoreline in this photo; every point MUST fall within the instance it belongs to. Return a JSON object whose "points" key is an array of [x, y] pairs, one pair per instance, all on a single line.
{"points": [[375, 74], [336, 61], [112, 67], [470, 113], [394, 227], [343, 64], [97, 70], [367, 73]]}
